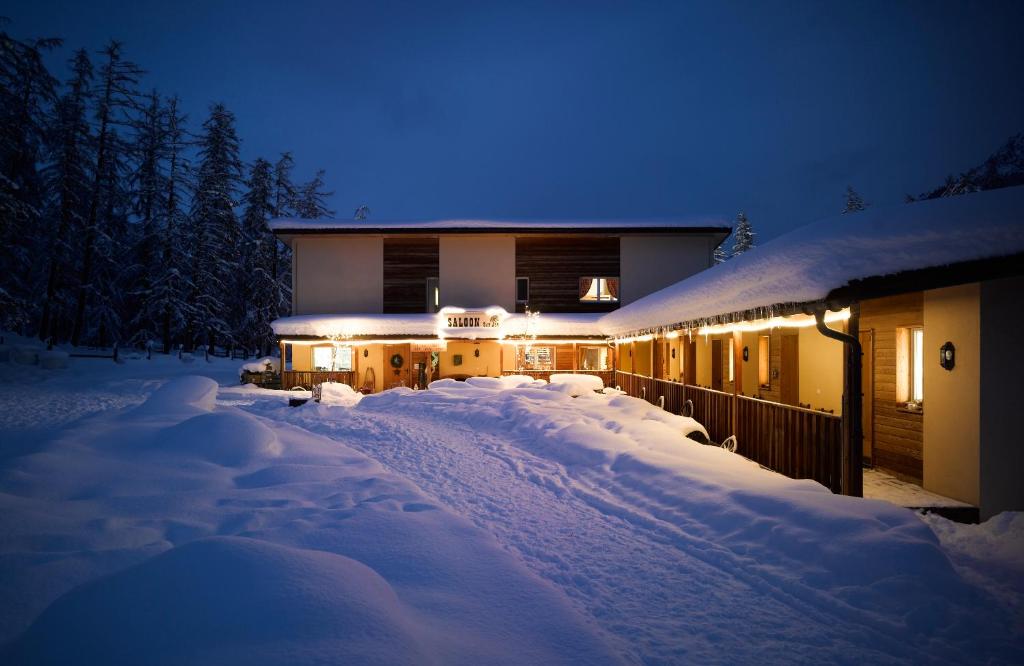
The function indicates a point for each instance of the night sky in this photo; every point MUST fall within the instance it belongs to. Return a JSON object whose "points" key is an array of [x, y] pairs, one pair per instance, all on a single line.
{"points": [[625, 109]]}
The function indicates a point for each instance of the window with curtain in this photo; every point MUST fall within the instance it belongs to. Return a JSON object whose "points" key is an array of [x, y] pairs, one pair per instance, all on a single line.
{"points": [[599, 289], [910, 366]]}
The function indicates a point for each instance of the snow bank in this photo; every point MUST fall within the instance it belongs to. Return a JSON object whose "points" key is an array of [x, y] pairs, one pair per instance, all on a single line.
{"points": [[228, 600], [260, 365], [577, 383], [336, 393], [53, 359], [231, 439], [188, 531], [189, 394], [26, 354]]}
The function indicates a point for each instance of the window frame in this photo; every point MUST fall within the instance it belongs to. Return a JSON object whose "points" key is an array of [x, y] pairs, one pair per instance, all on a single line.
{"points": [[334, 358], [764, 361], [601, 280], [521, 279], [910, 367], [433, 294]]}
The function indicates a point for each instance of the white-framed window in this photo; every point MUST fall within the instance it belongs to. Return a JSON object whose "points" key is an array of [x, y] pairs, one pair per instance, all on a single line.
{"points": [[917, 365], [599, 289], [522, 290], [332, 359], [910, 366]]}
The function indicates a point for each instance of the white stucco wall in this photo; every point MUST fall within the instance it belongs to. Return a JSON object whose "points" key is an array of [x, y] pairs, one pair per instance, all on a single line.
{"points": [[650, 263], [477, 271], [338, 275]]}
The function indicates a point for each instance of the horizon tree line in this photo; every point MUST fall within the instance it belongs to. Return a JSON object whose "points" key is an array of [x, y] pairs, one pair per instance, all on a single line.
{"points": [[119, 223]]}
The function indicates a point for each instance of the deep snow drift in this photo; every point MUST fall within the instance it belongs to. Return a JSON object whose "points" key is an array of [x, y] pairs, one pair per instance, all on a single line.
{"points": [[491, 521]]}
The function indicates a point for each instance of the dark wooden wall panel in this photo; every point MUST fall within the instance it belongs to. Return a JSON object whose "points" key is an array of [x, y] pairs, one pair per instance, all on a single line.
{"points": [[408, 262], [555, 266], [898, 434]]}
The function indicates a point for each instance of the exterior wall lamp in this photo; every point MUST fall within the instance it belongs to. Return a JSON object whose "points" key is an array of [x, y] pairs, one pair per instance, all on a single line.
{"points": [[947, 355]]}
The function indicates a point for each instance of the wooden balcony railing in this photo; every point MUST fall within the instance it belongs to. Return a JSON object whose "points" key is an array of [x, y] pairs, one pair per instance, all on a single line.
{"points": [[800, 443], [308, 379]]}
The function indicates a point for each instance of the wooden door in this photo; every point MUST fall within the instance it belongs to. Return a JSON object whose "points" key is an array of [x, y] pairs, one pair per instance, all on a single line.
{"points": [[789, 370], [867, 378], [716, 365], [401, 375], [689, 362]]}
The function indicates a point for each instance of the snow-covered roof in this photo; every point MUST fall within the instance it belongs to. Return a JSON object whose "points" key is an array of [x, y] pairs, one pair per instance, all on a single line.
{"points": [[426, 324], [808, 263], [706, 223]]}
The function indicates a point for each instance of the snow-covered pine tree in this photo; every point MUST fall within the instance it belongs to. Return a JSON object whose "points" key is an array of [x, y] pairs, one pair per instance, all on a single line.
{"points": [[854, 202], [284, 198], [361, 213], [720, 254], [148, 149], [215, 232], [167, 301], [67, 175], [310, 199], [112, 251], [26, 90], [115, 97], [743, 236], [258, 286]]}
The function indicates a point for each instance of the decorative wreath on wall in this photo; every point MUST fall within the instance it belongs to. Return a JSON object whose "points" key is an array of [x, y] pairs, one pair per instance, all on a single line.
{"points": [[397, 360]]}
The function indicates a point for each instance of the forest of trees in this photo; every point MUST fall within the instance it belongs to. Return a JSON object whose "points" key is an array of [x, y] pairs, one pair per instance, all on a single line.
{"points": [[122, 222]]}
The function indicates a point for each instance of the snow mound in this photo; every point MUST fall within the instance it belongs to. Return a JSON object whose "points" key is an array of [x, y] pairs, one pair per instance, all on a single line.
{"points": [[260, 365], [231, 439], [227, 600], [189, 394], [592, 382], [53, 359], [336, 393]]}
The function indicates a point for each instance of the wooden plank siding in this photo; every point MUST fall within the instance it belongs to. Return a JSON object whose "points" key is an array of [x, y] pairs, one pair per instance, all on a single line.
{"points": [[408, 262], [555, 266], [898, 435]]}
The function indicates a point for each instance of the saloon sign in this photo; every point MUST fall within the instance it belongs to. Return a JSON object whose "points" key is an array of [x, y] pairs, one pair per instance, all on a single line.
{"points": [[473, 320], [471, 323]]}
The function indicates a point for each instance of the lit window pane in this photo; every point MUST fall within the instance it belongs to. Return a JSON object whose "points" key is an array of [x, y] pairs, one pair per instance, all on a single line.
{"points": [[917, 345]]}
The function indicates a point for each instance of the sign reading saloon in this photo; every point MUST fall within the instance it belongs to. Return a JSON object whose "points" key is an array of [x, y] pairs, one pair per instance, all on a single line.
{"points": [[473, 320], [457, 322]]}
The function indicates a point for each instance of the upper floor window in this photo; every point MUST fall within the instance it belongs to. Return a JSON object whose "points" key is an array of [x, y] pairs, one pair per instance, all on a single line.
{"points": [[522, 290], [595, 289], [433, 294]]}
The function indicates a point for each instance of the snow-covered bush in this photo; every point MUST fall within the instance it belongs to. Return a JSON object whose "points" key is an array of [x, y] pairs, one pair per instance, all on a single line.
{"points": [[262, 365]]}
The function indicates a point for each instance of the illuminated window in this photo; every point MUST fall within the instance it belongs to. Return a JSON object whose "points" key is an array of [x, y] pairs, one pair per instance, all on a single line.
{"points": [[917, 365], [332, 359], [764, 377], [433, 294], [910, 365], [732, 357], [594, 289], [593, 358], [539, 358]]}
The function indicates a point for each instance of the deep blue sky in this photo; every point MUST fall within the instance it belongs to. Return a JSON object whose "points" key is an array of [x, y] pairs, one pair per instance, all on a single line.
{"points": [[551, 109]]}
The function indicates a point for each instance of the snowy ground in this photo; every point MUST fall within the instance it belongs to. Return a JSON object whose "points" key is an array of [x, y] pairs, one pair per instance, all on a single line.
{"points": [[146, 512]]}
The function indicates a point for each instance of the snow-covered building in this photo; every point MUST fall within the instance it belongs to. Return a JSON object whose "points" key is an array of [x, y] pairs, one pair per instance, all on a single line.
{"points": [[918, 376], [386, 303]]}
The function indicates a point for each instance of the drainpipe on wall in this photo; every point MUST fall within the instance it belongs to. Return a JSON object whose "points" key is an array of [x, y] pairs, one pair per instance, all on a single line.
{"points": [[853, 435]]}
